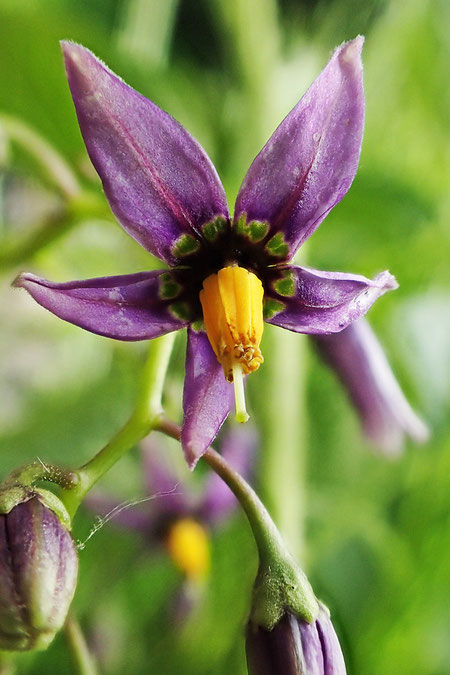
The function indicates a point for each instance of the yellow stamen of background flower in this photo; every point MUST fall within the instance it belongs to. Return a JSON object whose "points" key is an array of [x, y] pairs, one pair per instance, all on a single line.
{"points": [[232, 302], [188, 545]]}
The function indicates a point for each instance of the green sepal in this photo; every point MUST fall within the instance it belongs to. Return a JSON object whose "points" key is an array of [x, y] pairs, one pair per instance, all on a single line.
{"points": [[281, 586], [10, 497]]}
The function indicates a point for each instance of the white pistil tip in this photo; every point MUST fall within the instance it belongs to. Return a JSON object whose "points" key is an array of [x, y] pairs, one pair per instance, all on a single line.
{"points": [[239, 396]]}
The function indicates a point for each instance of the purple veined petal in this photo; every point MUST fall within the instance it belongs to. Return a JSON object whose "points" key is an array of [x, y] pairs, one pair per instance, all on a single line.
{"points": [[310, 161], [333, 659], [170, 496], [207, 397], [309, 301], [238, 448], [125, 307], [294, 647], [161, 185], [358, 359]]}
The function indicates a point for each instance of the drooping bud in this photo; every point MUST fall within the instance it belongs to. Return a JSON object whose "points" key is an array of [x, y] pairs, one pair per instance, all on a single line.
{"points": [[232, 303], [38, 575], [295, 647]]}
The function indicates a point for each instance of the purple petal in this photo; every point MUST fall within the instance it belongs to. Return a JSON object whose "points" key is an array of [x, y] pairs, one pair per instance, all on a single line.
{"points": [[308, 301], [359, 361], [125, 307], [333, 659], [160, 183], [309, 163], [294, 647], [238, 448], [207, 397]]}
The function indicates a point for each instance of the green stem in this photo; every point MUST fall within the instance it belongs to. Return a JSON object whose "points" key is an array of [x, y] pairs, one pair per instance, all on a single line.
{"points": [[78, 647], [55, 166], [284, 424], [280, 585], [146, 31], [143, 420]]}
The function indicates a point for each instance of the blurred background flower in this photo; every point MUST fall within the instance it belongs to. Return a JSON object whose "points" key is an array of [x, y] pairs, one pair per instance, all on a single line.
{"points": [[378, 550]]}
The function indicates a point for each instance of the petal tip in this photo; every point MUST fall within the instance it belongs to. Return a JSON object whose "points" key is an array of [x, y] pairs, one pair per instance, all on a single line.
{"points": [[387, 281], [350, 52], [21, 280]]}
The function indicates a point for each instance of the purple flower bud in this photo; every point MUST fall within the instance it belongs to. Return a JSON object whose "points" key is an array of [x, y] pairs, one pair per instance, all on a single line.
{"points": [[295, 647], [38, 575]]}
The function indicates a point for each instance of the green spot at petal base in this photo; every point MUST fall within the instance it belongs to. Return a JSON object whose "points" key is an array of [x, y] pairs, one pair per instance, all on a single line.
{"points": [[255, 230], [198, 326], [277, 246], [168, 287], [185, 245], [286, 285], [272, 307], [212, 230], [180, 310]]}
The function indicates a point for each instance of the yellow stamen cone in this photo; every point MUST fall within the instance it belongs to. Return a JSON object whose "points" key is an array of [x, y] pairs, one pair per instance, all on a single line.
{"points": [[232, 302]]}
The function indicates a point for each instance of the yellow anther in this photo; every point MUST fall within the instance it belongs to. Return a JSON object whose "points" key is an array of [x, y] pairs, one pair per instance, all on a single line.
{"points": [[232, 302], [188, 545]]}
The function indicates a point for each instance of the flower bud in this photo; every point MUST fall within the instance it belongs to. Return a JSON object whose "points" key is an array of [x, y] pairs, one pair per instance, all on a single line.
{"points": [[295, 647], [38, 574]]}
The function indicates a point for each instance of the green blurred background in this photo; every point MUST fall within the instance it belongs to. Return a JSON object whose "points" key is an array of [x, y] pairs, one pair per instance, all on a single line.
{"points": [[376, 541]]}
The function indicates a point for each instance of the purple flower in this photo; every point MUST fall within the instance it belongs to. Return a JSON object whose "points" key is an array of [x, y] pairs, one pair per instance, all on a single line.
{"points": [[230, 273], [175, 516], [295, 647], [360, 363], [38, 575]]}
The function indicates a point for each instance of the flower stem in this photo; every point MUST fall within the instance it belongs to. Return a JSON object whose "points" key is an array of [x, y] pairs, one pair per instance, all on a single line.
{"points": [[55, 166], [284, 425], [144, 418], [78, 647], [280, 585]]}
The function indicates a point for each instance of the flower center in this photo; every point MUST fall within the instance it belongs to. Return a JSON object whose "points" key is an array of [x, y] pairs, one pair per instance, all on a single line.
{"points": [[188, 546], [232, 302]]}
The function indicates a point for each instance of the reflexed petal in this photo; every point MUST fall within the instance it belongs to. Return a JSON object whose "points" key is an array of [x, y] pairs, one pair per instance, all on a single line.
{"points": [[238, 448], [309, 163], [126, 307], [207, 397], [308, 301], [160, 183], [359, 361]]}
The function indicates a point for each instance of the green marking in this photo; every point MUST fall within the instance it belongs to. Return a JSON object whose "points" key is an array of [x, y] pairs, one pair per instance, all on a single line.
{"points": [[168, 287], [277, 246], [180, 310], [212, 230], [272, 307], [286, 285], [185, 245], [198, 325], [255, 230]]}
